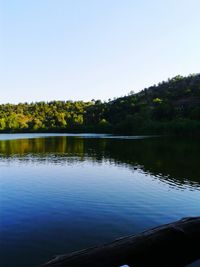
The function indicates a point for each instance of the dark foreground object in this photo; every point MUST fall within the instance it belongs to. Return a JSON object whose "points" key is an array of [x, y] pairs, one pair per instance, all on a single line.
{"points": [[171, 245]]}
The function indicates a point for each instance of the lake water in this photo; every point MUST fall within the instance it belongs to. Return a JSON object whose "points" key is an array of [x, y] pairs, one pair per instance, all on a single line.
{"points": [[60, 193]]}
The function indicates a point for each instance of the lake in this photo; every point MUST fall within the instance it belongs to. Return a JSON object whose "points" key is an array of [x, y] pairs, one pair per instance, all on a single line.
{"points": [[60, 193]]}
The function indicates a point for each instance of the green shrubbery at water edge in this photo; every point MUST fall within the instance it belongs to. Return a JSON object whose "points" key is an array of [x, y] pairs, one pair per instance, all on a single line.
{"points": [[171, 107]]}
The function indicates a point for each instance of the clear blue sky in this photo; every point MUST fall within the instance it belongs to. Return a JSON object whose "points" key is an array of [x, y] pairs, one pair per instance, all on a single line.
{"points": [[84, 49]]}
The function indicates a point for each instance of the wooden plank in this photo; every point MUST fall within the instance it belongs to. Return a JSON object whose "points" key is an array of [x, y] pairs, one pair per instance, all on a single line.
{"points": [[171, 245]]}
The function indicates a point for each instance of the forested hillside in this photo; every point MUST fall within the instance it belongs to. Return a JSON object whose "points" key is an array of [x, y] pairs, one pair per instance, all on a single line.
{"points": [[172, 106]]}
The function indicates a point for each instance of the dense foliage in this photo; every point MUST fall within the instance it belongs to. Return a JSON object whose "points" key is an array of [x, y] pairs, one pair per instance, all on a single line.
{"points": [[172, 106]]}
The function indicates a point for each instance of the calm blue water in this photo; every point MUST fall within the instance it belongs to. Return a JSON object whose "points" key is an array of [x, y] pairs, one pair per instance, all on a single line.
{"points": [[62, 193]]}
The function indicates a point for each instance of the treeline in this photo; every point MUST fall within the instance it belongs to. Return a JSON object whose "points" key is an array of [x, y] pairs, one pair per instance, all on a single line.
{"points": [[172, 106]]}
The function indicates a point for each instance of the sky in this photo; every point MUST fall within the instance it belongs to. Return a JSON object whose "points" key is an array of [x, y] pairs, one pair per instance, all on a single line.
{"points": [[94, 49]]}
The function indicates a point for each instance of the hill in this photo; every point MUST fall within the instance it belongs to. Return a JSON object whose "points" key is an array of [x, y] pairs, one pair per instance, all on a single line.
{"points": [[171, 107]]}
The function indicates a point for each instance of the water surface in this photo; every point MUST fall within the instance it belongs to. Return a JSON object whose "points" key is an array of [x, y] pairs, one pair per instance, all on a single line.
{"points": [[60, 193]]}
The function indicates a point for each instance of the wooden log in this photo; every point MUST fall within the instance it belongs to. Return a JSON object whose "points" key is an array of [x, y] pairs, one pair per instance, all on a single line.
{"points": [[171, 245]]}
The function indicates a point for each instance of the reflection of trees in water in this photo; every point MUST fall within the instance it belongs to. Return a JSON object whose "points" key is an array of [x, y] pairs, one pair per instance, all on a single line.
{"points": [[167, 158]]}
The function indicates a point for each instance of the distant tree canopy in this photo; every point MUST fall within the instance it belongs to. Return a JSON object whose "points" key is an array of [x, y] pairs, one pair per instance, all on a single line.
{"points": [[172, 106]]}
